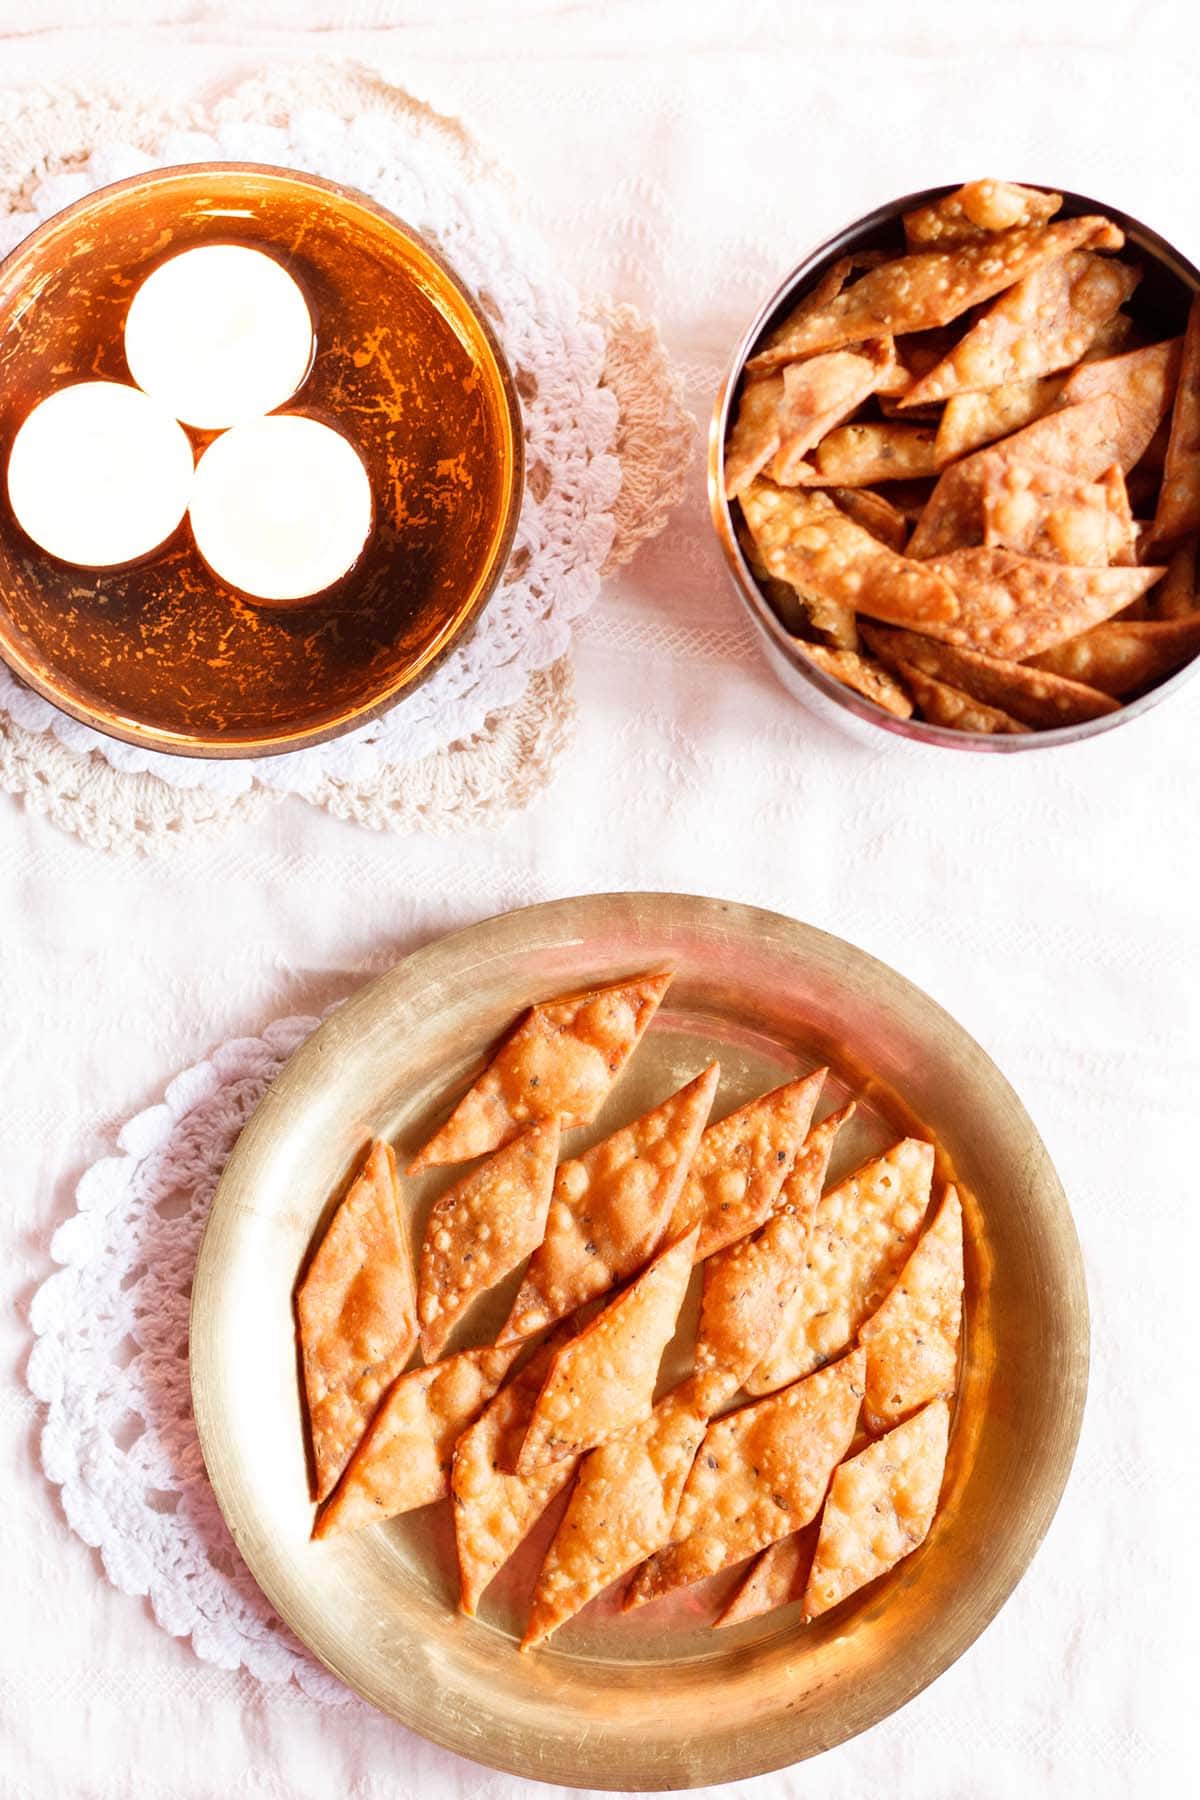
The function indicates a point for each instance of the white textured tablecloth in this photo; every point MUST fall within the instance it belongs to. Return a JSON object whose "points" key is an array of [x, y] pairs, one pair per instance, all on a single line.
{"points": [[681, 156]]}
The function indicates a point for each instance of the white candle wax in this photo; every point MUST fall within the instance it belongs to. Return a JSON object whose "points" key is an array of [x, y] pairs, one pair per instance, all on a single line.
{"points": [[99, 474], [219, 334], [281, 507]]}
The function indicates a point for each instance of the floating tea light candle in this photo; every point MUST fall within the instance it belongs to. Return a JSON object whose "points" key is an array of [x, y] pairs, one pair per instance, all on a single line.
{"points": [[99, 474], [281, 507], [219, 334]]}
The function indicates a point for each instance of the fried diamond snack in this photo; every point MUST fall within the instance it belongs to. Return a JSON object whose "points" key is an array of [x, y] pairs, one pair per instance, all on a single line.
{"points": [[761, 1474], [404, 1460], [756, 433], [978, 210], [806, 539], [748, 1285], [494, 1511], [777, 1576], [1044, 512], [930, 287], [863, 1232], [817, 395], [1023, 691], [1124, 655], [621, 1510], [880, 1507], [1142, 382], [912, 1341], [1015, 606], [356, 1313], [798, 611], [783, 415], [481, 1228], [1041, 324], [864, 675], [857, 455], [837, 277], [790, 606], [602, 1382], [1084, 439], [561, 1061], [942, 704], [1179, 499], [611, 1209], [970, 421], [742, 1163]]}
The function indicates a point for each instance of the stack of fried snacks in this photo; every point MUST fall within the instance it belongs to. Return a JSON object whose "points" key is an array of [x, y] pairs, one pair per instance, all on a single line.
{"points": [[969, 483], [836, 1308]]}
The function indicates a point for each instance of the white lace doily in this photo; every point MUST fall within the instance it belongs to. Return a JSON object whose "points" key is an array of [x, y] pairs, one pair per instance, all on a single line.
{"points": [[110, 1363], [566, 526]]}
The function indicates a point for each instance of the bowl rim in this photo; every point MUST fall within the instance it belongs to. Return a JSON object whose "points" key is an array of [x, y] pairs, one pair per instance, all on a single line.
{"points": [[508, 405], [762, 614]]}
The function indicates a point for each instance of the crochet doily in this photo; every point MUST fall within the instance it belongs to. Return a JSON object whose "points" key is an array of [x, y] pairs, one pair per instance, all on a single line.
{"points": [[110, 1363], [607, 445]]}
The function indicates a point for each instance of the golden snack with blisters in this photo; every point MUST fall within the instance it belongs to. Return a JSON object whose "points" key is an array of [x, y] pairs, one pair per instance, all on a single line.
{"points": [[495, 1510], [611, 1208], [1034, 696], [930, 287], [741, 1164], [806, 539], [1041, 324], [560, 1062], [760, 1474], [1061, 431], [1121, 657], [860, 455], [977, 210], [841, 1304], [621, 1511], [481, 1228], [912, 1341], [404, 1459], [602, 1382], [356, 1313], [1043, 512], [880, 1507], [863, 1230], [748, 1284], [817, 394], [864, 675], [943, 704]]}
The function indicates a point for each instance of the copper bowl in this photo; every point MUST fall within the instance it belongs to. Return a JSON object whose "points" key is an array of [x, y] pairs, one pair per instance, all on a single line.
{"points": [[159, 652], [1160, 305]]}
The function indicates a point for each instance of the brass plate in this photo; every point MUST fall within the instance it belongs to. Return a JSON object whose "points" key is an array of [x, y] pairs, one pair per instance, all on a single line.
{"points": [[160, 652], [655, 1700]]}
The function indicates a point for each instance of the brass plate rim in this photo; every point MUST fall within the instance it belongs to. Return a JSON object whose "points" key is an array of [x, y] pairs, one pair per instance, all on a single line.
{"points": [[586, 1759], [243, 748]]}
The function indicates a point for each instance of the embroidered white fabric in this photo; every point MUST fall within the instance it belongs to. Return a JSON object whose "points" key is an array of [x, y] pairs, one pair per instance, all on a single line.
{"points": [[682, 155], [111, 1366], [566, 526]]}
